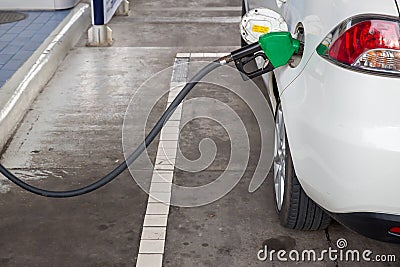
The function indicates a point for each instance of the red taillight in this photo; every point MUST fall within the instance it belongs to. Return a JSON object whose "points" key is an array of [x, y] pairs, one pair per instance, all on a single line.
{"points": [[372, 44], [395, 230], [364, 36]]}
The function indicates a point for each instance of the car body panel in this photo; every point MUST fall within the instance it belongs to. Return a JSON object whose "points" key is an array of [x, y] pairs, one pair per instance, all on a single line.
{"points": [[343, 126]]}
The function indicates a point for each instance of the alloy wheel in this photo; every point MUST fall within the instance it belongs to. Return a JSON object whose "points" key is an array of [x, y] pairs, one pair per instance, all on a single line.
{"points": [[279, 158]]}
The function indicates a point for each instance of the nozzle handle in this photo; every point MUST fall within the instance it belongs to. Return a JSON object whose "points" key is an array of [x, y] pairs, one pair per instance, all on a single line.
{"points": [[246, 51], [245, 55]]}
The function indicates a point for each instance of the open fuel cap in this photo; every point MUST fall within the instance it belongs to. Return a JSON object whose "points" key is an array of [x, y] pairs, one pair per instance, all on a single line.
{"points": [[260, 21]]}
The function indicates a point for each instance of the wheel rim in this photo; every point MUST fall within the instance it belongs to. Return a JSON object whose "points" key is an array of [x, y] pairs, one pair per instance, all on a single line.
{"points": [[279, 158]]}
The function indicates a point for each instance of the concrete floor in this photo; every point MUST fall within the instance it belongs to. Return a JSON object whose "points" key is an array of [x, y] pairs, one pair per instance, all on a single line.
{"points": [[72, 135]]}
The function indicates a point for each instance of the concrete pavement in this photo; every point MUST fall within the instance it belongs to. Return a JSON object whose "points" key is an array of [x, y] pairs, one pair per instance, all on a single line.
{"points": [[72, 135]]}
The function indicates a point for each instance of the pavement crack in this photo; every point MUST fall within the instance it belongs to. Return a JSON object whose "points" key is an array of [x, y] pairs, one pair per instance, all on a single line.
{"points": [[328, 238], [28, 132]]}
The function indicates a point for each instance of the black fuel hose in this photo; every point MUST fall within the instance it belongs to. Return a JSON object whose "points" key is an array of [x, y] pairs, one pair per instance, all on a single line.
{"points": [[132, 157]]}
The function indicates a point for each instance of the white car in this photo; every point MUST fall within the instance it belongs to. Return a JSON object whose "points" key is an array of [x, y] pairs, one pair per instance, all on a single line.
{"points": [[337, 113]]}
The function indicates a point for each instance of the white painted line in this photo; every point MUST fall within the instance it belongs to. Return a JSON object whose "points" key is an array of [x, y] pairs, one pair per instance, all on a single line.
{"points": [[211, 55], [152, 243], [179, 55], [166, 167], [149, 260], [157, 208], [234, 19], [168, 144], [153, 233], [197, 9], [196, 54], [154, 230], [174, 85], [174, 124], [165, 161], [171, 153], [222, 55], [174, 93], [160, 197], [151, 247], [160, 188], [162, 177], [175, 117], [208, 55], [170, 130], [169, 136], [162, 159], [159, 220]]}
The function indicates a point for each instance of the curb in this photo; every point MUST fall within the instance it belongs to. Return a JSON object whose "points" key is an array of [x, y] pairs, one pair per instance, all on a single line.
{"points": [[19, 92]]}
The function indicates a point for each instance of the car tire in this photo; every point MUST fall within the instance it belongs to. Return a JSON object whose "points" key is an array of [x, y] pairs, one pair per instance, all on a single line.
{"points": [[295, 209], [244, 11]]}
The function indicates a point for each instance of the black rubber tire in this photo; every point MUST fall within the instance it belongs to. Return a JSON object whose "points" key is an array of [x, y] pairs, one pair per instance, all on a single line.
{"points": [[298, 210], [244, 11]]}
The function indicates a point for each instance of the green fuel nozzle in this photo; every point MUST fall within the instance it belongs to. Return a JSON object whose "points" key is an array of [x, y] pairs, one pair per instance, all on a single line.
{"points": [[276, 48], [279, 47]]}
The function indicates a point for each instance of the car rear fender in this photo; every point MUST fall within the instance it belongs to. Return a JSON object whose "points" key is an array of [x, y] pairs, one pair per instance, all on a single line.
{"points": [[318, 19]]}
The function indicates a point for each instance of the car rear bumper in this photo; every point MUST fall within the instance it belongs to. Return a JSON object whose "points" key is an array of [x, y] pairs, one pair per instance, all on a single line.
{"points": [[372, 225], [343, 128]]}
